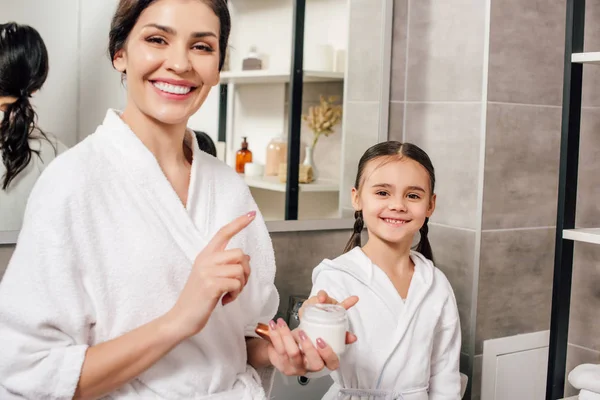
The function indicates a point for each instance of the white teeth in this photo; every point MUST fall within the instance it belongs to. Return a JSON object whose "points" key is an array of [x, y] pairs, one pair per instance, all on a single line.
{"points": [[394, 221], [173, 89]]}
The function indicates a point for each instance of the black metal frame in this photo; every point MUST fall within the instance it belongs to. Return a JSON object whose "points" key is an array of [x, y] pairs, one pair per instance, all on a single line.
{"points": [[223, 93], [295, 114], [567, 201], [295, 111]]}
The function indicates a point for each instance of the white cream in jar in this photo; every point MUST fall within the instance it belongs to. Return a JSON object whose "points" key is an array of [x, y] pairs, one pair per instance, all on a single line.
{"points": [[328, 322]]}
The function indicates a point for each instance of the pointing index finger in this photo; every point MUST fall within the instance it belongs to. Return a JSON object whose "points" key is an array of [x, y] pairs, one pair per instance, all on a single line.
{"points": [[226, 233]]}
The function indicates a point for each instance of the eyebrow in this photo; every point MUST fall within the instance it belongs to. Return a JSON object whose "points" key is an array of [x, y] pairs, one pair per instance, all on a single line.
{"points": [[388, 186], [171, 31]]}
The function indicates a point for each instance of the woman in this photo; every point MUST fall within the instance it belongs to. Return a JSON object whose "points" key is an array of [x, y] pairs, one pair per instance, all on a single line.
{"points": [[26, 150], [132, 277]]}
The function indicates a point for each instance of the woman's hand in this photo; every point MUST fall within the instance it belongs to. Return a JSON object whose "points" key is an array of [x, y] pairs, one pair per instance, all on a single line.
{"points": [[284, 351], [217, 273], [323, 298]]}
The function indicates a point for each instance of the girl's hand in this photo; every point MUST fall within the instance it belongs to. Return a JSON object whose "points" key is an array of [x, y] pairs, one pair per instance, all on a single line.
{"points": [[323, 298], [217, 273], [285, 354]]}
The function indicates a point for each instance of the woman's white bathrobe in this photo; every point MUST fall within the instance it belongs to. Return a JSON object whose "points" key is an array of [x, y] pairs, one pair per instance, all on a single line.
{"points": [[107, 246], [406, 350]]}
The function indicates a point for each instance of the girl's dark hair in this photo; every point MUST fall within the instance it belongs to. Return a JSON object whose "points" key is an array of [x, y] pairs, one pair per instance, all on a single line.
{"points": [[393, 150], [23, 70], [129, 11]]}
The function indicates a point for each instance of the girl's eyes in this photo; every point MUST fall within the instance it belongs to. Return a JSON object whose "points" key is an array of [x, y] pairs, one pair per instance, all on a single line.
{"points": [[412, 196]]}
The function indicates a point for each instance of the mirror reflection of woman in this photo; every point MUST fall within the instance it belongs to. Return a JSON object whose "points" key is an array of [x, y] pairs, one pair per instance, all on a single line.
{"points": [[143, 267], [26, 150]]}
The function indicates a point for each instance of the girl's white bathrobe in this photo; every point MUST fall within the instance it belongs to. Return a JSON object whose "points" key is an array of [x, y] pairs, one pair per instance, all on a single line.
{"points": [[406, 350], [107, 246]]}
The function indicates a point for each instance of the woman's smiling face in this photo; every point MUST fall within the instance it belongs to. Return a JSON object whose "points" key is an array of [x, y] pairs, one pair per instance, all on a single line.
{"points": [[171, 59]]}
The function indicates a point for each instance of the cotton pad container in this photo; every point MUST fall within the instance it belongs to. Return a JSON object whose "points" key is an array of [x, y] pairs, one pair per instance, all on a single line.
{"points": [[328, 322]]}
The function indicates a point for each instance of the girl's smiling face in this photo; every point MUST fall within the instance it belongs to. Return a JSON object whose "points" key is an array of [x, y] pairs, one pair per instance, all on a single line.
{"points": [[395, 198]]}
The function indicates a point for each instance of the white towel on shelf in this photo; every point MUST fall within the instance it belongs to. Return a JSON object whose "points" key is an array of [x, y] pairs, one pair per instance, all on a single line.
{"points": [[587, 377], [107, 246], [587, 395]]}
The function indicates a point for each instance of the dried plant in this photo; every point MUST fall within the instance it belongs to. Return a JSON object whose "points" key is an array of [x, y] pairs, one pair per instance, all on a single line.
{"points": [[323, 118]]}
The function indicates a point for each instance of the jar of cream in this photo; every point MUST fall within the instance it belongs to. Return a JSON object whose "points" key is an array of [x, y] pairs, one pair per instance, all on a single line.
{"points": [[328, 322]]}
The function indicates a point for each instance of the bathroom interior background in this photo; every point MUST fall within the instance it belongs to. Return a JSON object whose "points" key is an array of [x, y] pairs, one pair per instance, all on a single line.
{"points": [[478, 85]]}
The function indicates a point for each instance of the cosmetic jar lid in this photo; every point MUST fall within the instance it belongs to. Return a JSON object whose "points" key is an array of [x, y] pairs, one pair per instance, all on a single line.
{"points": [[327, 314]]}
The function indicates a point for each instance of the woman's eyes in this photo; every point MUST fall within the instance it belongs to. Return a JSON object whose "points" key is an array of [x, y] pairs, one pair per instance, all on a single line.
{"points": [[157, 40], [162, 41], [203, 47]]}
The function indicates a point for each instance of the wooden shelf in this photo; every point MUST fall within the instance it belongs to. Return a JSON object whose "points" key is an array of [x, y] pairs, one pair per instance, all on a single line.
{"points": [[266, 77], [587, 235], [586, 58], [272, 183]]}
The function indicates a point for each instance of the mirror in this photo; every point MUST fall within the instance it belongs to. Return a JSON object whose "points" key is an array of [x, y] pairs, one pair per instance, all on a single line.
{"points": [[254, 99]]}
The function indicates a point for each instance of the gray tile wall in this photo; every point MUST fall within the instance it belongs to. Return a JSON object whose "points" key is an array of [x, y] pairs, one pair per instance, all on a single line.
{"points": [[436, 102], [523, 125], [363, 90]]}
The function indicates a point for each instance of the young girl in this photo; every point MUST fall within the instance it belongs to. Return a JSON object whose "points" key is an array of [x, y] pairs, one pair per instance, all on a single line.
{"points": [[406, 319], [129, 279], [25, 149]]}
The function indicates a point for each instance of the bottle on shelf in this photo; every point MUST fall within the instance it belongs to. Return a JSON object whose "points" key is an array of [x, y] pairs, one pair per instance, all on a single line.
{"points": [[252, 62], [243, 156], [276, 154]]}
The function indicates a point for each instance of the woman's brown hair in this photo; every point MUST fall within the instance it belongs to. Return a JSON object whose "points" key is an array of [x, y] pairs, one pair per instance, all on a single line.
{"points": [[129, 11]]}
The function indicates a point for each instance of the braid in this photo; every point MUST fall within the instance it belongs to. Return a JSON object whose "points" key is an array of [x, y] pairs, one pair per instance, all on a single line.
{"points": [[424, 247], [359, 225]]}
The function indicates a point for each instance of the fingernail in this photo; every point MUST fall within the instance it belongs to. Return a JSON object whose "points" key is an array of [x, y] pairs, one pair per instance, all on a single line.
{"points": [[272, 325], [321, 343], [251, 214], [302, 335], [281, 323]]}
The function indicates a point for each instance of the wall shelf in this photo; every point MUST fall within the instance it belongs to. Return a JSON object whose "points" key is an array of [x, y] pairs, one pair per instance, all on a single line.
{"points": [[587, 235], [267, 77], [566, 233], [585, 58], [272, 183]]}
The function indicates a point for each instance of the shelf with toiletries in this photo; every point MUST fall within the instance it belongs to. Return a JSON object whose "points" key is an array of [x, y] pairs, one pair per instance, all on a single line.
{"points": [[269, 77], [273, 183], [256, 80], [586, 58]]}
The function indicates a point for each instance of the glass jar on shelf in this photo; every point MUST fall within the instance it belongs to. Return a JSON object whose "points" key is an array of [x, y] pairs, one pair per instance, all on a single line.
{"points": [[276, 155]]}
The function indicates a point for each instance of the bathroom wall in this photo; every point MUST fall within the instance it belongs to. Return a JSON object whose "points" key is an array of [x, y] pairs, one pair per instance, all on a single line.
{"points": [[526, 50], [364, 88], [437, 102], [478, 84]]}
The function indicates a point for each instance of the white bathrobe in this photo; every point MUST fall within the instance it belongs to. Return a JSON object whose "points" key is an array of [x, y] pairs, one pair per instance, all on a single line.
{"points": [[107, 246], [406, 350]]}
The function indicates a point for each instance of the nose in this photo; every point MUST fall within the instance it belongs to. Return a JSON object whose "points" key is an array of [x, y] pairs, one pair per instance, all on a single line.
{"points": [[397, 204], [178, 59]]}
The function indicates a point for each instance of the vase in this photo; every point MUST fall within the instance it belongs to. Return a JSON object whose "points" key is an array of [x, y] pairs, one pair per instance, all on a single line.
{"points": [[309, 161]]}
